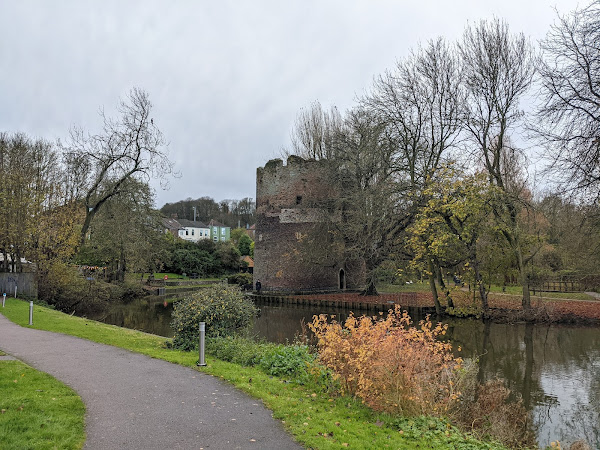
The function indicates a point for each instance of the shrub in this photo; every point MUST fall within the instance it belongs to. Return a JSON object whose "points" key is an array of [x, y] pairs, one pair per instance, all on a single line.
{"points": [[274, 359], [487, 411], [223, 308], [193, 260], [241, 279], [236, 349], [64, 287], [287, 361], [391, 365]]}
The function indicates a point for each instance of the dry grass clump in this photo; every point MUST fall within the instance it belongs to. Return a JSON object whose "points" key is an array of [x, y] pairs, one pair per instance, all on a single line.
{"points": [[407, 370], [391, 365], [487, 411]]}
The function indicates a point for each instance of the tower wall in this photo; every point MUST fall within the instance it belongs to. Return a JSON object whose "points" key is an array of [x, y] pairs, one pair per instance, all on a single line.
{"points": [[293, 250]]}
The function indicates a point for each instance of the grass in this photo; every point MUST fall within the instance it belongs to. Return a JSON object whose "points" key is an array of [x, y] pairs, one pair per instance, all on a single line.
{"points": [[187, 286], [173, 276], [37, 411], [413, 287], [316, 419], [508, 290]]}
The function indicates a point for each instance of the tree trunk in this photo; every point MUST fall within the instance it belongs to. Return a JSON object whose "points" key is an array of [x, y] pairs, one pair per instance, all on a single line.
{"points": [[436, 300], [89, 215], [121, 266], [444, 288], [370, 289]]}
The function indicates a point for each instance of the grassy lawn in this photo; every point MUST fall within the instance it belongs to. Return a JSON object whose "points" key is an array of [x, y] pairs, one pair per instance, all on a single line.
{"points": [[413, 287], [170, 276], [316, 419], [508, 290], [187, 286], [37, 411]]}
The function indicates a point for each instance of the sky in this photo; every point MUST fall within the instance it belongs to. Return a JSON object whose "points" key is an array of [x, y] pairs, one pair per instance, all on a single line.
{"points": [[226, 78]]}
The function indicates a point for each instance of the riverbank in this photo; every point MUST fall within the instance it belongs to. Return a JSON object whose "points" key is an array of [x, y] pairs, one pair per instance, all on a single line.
{"points": [[316, 418], [503, 307]]}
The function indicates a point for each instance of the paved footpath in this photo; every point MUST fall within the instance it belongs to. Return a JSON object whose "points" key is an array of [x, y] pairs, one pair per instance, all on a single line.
{"points": [[136, 402]]}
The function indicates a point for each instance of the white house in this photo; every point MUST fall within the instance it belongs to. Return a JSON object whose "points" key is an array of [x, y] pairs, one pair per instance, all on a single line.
{"points": [[193, 231]]}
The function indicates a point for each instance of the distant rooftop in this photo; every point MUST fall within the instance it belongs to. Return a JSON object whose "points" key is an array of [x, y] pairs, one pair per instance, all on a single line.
{"points": [[191, 223]]}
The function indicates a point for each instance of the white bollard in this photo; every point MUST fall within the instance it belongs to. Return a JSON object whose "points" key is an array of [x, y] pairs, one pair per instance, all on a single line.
{"points": [[3, 299], [15, 291], [30, 313], [201, 361]]}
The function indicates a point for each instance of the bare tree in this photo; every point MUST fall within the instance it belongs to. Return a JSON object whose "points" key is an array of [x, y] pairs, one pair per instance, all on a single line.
{"points": [[417, 110], [421, 103], [570, 91], [369, 199], [125, 233], [129, 147], [498, 69], [313, 132], [385, 151]]}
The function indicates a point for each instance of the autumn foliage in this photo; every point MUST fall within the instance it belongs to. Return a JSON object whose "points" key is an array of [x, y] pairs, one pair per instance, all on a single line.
{"points": [[390, 364]]}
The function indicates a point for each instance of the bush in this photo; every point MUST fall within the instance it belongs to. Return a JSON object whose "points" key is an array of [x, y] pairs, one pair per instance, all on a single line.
{"points": [[487, 411], [274, 359], [193, 261], [391, 365], [223, 308], [236, 349], [287, 361], [63, 286], [241, 279]]}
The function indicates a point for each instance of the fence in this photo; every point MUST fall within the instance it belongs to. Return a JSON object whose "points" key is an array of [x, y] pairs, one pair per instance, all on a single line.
{"points": [[25, 282]]}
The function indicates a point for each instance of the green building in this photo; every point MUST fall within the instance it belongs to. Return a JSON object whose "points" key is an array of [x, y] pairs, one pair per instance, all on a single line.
{"points": [[218, 231]]}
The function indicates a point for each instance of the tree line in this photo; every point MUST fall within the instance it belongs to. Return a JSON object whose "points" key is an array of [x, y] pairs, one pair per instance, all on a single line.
{"points": [[231, 213], [432, 167], [84, 200], [87, 203]]}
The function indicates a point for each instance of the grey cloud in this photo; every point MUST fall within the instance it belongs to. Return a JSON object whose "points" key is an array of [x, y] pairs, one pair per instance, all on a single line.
{"points": [[226, 78]]}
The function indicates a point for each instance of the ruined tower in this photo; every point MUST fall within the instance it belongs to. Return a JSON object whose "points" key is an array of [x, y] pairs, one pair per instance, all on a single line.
{"points": [[296, 248]]}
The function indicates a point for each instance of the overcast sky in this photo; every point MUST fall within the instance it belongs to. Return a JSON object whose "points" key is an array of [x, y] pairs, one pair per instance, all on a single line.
{"points": [[226, 78]]}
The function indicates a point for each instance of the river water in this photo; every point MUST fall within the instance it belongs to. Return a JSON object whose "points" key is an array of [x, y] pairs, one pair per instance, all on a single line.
{"points": [[555, 368]]}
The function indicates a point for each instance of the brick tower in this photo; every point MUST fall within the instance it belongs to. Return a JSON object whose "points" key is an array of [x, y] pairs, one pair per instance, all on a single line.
{"points": [[296, 249]]}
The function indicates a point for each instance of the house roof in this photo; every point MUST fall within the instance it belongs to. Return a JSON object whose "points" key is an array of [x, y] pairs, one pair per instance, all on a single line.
{"points": [[248, 260], [191, 224], [215, 223], [171, 224]]}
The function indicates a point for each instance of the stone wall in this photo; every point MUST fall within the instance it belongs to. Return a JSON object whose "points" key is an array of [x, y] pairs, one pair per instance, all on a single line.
{"points": [[295, 247]]}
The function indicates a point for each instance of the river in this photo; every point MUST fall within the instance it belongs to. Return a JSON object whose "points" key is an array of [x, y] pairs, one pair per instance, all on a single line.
{"points": [[555, 368]]}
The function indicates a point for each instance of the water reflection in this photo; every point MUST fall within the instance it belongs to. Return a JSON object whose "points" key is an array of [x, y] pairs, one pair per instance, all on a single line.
{"points": [[556, 369], [150, 314]]}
